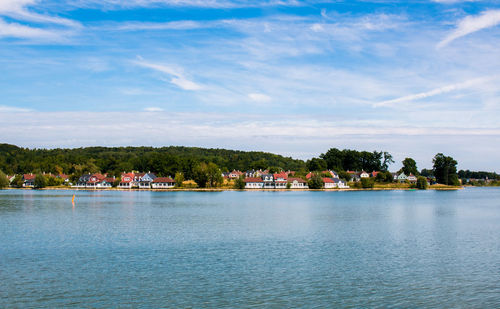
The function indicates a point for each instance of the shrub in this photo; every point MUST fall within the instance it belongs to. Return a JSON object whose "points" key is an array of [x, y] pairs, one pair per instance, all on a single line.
{"points": [[421, 183]]}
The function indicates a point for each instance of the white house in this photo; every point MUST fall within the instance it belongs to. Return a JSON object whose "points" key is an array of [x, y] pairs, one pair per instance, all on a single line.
{"points": [[297, 183], [412, 178], [364, 174], [329, 183], [339, 183], [146, 180], [401, 177], [254, 183], [162, 183]]}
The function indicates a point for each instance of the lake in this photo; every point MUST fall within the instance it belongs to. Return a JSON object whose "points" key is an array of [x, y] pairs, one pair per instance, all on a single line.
{"points": [[433, 249]]}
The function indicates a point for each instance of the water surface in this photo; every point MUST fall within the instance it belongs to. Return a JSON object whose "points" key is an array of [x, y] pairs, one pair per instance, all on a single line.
{"points": [[250, 249]]}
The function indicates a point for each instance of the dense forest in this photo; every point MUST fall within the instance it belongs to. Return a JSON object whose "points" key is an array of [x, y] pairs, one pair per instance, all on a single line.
{"points": [[114, 160]]}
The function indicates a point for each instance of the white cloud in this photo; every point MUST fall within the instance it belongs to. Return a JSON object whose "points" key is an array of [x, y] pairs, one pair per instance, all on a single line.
{"points": [[471, 24], [259, 97], [10, 109], [17, 9], [441, 90], [153, 109], [177, 76], [25, 32], [317, 28]]}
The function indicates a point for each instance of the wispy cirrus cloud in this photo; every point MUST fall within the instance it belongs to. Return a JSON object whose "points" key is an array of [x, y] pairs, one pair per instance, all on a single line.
{"points": [[471, 24], [176, 74], [434, 92], [18, 10]]}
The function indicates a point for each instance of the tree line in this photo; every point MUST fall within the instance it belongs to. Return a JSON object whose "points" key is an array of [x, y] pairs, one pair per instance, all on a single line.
{"points": [[205, 165]]}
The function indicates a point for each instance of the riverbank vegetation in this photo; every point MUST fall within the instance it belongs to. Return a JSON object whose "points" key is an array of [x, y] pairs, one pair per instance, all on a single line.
{"points": [[200, 167]]}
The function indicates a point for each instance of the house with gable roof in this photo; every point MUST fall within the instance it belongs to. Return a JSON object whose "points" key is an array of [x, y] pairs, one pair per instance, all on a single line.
{"points": [[163, 183], [127, 181], [146, 180], [254, 183], [297, 183]]}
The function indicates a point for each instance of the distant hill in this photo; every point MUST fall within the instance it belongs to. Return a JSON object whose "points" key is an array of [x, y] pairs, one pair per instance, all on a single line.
{"points": [[114, 160]]}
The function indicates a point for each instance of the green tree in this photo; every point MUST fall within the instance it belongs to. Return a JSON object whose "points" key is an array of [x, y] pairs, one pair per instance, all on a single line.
{"points": [[117, 181], [421, 183], [4, 182], [214, 174], [288, 185], [316, 182], [18, 181], [409, 167], [240, 183], [316, 164], [445, 170], [40, 181], [179, 179], [200, 175], [367, 183], [344, 175], [387, 161]]}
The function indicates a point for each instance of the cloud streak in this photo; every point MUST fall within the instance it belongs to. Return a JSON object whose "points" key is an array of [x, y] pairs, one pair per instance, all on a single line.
{"points": [[441, 90], [471, 24], [177, 76]]}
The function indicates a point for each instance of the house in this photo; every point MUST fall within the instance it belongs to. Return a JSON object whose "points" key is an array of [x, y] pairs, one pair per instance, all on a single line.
{"points": [[412, 178], [364, 174], [280, 176], [329, 183], [234, 174], [297, 183], [127, 181], [163, 183], [401, 177], [339, 183], [268, 180], [374, 174], [280, 184], [82, 181], [146, 180], [29, 180], [250, 173], [96, 181], [254, 183]]}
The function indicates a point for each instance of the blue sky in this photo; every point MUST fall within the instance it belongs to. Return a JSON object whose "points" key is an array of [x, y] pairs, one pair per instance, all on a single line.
{"points": [[292, 77]]}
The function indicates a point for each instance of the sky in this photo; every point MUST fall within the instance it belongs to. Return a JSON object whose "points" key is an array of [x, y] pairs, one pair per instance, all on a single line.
{"points": [[285, 76]]}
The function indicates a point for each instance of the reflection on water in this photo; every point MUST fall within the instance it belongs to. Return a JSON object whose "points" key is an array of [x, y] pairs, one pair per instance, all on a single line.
{"points": [[250, 249]]}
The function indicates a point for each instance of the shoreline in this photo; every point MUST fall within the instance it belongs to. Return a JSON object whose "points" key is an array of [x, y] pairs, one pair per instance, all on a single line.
{"points": [[246, 190]]}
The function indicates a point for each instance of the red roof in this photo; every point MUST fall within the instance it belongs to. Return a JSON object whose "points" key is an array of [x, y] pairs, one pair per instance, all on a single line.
{"points": [[130, 175], [29, 176], [308, 176], [328, 180], [281, 175], [296, 179], [109, 179], [374, 174], [253, 179], [163, 179]]}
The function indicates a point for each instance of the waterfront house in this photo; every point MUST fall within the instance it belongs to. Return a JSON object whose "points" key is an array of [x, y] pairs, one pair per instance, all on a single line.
{"points": [[254, 183], [163, 183], [268, 180], [329, 183], [401, 177], [146, 180], [82, 181], [127, 180], [339, 183], [297, 183], [28, 180], [412, 178]]}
